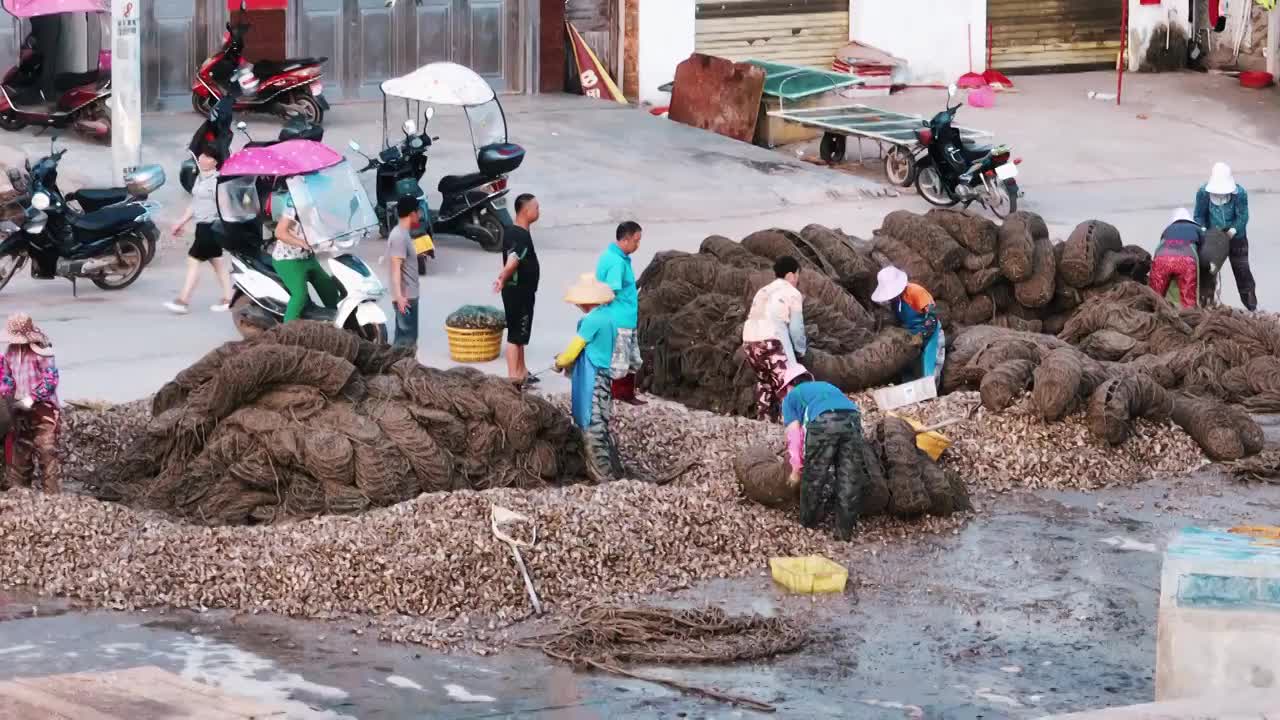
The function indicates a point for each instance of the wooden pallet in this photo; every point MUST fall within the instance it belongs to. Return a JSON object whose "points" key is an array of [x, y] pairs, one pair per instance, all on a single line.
{"points": [[142, 692]]}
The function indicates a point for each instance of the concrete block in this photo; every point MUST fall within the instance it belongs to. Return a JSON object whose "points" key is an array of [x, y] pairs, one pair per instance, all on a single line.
{"points": [[1219, 617], [1247, 705]]}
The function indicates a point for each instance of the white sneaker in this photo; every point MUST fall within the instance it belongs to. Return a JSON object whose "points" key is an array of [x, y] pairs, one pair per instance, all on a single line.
{"points": [[220, 307], [177, 308]]}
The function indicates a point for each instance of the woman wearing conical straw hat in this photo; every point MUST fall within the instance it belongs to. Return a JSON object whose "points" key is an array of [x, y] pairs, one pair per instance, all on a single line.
{"points": [[29, 379], [589, 355]]}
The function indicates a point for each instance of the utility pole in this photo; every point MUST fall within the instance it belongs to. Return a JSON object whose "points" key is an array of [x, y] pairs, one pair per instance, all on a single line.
{"points": [[126, 87]]}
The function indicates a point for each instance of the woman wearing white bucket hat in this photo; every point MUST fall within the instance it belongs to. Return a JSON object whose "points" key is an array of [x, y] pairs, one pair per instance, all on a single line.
{"points": [[590, 355], [1222, 204], [1177, 256], [918, 313]]}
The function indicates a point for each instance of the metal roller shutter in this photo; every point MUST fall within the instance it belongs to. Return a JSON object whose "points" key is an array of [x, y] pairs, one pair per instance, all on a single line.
{"points": [[795, 32], [1029, 35]]}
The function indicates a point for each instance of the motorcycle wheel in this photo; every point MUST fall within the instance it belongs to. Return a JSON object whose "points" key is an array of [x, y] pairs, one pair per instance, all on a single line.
{"points": [[151, 237], [932, 187], [310, 107], [831, 149], [10, 264], [11, 122], [900, 166], [131, 258], [1003, 201], [202, 104], [491, 239]]}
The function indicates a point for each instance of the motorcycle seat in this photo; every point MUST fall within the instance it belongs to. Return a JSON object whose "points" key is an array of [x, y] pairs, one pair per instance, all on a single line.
{"points": [[972, 151], [66, 81], [95, 198], [459, 183], [106, 220], [264, 69]]}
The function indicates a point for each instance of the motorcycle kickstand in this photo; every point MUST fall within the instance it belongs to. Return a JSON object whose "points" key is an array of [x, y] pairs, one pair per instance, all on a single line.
{"points": [[74, 293]]}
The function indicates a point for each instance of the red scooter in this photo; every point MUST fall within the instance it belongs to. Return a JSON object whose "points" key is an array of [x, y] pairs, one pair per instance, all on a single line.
{"points": [[287, 88], [79, 100]]}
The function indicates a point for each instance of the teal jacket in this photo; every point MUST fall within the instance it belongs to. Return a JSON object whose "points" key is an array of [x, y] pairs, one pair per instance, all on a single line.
{"points": [[1235, 213]]}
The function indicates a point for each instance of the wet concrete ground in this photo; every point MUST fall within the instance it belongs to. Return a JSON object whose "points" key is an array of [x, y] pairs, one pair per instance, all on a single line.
{"points": [[1044, 603]]}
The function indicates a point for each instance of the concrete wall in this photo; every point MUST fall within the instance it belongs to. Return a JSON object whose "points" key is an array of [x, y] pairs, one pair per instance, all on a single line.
{"points": [[666, 40], [930, 34], [1146, 20]]}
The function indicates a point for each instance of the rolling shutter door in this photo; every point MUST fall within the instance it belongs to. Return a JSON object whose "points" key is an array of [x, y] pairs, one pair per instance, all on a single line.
{"points": [[1028, 35], [796, 32]]}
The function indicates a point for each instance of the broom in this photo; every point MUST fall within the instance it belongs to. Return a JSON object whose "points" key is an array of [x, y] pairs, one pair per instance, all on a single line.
{"points": [[971, 79], [992, 76]]}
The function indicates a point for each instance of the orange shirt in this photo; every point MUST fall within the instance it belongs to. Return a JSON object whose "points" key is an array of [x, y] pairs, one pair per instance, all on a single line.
{"points": [[917, 297]]}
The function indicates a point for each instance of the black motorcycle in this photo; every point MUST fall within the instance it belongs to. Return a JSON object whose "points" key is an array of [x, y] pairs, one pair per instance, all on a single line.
{"points": [[218, 130], [952, 171], [109, 245]]}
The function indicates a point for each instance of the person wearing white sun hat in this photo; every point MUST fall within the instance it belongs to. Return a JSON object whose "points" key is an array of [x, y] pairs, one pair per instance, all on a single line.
{"points": [[917, 313], [1222, 204]]}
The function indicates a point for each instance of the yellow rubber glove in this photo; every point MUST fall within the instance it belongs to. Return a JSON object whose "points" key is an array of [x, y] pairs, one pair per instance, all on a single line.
{"points": [[571, 353]]}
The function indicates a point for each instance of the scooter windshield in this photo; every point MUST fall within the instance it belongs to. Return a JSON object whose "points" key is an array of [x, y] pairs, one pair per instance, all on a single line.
{"points": [[333, 207], [238, 200], [488, 123]]}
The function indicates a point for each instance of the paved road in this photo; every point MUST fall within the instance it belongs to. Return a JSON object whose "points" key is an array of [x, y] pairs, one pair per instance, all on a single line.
{"points": [[594, 164]]}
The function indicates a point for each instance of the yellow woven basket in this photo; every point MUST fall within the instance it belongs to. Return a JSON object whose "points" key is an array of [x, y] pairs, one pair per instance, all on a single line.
{"points": [[473, 346]]}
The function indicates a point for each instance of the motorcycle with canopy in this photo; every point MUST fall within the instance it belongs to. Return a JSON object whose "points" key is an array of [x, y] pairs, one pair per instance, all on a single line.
{"points": [[473, 205], [41, 91], [255, 187]]}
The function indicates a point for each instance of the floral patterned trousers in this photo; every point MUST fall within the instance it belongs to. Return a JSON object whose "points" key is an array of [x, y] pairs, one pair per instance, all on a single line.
{"points": [[769, 361]]}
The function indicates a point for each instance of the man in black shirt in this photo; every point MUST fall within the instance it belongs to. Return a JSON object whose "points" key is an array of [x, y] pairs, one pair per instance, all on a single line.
{"points": [[518, 283]]}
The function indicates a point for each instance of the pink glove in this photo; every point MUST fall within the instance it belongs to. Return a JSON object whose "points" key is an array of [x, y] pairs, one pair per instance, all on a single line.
{"points": [[795, 446]]}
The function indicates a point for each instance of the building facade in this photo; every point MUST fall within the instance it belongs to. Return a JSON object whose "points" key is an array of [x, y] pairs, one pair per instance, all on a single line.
{"points": [[365, 40]]}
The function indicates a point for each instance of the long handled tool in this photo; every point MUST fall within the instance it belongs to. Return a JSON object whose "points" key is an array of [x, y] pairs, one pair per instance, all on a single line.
{"points": [[500, 516]]}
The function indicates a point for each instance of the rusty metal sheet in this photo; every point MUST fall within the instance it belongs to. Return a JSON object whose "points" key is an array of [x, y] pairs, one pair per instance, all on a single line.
{"points": [[719, 95]]}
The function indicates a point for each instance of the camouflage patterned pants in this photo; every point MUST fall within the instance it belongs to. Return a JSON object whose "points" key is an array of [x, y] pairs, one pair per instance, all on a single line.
{"points": [[602, 454], [34, 434], [835, 474]]}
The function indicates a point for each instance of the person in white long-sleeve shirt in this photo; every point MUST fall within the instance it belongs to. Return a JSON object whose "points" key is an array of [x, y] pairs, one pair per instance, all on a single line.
{"points": [[773, 336]]}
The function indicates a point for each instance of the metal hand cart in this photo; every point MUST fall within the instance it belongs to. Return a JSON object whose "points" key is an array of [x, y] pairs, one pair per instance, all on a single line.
{"points": [[896, 130]]}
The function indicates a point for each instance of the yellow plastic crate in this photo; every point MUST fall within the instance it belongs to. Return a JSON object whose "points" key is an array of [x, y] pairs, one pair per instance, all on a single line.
{"points": [[810, 574], [473, 346]]}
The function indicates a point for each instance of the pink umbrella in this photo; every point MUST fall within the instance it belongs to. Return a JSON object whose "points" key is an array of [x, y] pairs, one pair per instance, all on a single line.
{"points": [[291, 157], [36, 8]]}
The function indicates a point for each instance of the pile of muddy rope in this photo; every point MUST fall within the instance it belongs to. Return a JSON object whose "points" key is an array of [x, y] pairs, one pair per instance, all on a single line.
{"points": [[1071, 322], [605, 637], [1128, 354], [902, 481], [306, 420], [693, 305]]}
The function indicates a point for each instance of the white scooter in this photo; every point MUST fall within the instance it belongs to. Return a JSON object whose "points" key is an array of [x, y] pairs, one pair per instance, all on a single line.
{"points": [[335, 214], [260, 297]]}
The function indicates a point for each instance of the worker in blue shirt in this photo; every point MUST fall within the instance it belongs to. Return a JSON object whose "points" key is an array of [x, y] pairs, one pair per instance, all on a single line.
{"points": [[825, 445], [589, 354], [614, 269]]}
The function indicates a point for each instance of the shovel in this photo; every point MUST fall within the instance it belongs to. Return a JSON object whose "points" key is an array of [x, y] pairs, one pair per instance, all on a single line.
{"points": [[500, 517]]}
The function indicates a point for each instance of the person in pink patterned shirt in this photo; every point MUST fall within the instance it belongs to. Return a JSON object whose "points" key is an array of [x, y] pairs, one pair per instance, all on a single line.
{"points": [[29, 380]]}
